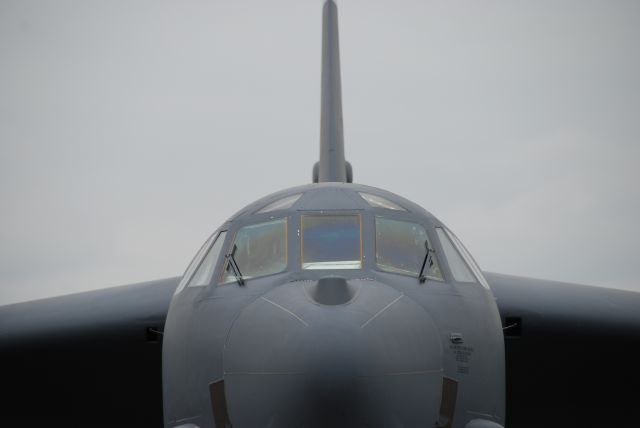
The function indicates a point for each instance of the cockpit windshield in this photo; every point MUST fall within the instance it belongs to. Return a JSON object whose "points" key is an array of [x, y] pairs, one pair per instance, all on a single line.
{"points": [[260, 249], [401, 247], [331, 241]]}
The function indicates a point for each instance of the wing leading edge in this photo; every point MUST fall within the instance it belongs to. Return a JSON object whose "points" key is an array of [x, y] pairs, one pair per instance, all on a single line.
{"points": [[86, 359]]}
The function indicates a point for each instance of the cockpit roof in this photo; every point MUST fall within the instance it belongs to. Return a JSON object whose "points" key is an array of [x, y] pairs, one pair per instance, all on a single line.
{"points": [[329, 196]]}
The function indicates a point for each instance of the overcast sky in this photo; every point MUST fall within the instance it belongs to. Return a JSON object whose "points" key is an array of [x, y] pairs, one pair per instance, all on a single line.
{"points": [[129, 131]]}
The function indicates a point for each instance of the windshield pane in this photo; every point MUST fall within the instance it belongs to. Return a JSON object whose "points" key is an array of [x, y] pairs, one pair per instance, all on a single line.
{"points": [[261, 249], [401, 247], [331, 242], [205, 270], [459, 269]]}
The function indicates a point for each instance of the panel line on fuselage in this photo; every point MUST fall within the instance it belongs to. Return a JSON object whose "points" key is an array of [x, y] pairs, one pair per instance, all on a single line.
{"points": [[286, 310], [382, 310]]}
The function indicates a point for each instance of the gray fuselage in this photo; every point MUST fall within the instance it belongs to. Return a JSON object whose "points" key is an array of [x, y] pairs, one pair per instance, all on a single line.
{"points": [[315, 346]]}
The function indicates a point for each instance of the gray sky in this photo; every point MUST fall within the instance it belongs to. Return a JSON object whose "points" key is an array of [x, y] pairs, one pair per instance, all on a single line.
{"points": [[130, 130]]}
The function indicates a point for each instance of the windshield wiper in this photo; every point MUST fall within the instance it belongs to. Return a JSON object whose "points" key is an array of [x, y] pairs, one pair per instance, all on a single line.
{"points": [[428, 258], [231, 259]]}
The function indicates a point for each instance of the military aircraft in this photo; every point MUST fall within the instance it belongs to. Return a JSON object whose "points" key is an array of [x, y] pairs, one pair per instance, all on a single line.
{"points": [[330, 304]]}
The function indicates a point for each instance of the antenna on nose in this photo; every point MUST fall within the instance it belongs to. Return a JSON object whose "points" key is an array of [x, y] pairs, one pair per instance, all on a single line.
{"points": [[332, 165]]}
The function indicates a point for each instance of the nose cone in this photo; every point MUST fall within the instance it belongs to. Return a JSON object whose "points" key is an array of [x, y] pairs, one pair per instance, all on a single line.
{"points": [[375, 360]]}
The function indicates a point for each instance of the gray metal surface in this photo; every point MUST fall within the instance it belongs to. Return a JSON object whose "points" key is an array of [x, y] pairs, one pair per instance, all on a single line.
{"points": [[332, 165], [372, 349]]}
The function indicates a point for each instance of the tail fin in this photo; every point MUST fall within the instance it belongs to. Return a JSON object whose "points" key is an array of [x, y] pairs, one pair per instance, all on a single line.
{"points": [[332, 165]]}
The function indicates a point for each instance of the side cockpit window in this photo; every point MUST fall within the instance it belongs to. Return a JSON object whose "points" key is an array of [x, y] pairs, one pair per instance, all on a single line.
{"points": [[468, 258], [203, 274], [203, 263], [331, 241], [401, 247], [258, 250], [458, 267]]}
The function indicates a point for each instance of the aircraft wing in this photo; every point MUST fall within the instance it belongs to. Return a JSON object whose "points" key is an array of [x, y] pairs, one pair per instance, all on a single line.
{"points": [[572, 353], [94, 358], [86, 359]]}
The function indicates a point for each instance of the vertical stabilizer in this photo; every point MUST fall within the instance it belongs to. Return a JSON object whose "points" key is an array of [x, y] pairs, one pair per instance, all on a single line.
{"points": [[332, 165]]}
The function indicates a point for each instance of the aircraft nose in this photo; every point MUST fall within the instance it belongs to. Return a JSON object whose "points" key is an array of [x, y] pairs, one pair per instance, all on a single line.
{"points": [[367, 356]]}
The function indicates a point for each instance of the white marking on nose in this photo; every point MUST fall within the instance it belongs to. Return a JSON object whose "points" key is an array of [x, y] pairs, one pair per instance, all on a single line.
{"points": [[286, 310], [382, 310]]}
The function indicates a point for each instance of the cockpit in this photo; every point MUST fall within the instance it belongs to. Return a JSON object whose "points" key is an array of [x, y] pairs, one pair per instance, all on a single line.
{"points": [[363, 230]]}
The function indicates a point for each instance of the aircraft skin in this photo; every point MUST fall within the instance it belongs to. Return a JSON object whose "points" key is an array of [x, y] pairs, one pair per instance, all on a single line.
{"points": [[329, 304], [375, 356]]}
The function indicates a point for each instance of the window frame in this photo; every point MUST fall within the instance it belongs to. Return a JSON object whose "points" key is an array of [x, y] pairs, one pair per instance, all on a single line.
{"points": [[196, 261], [468, 258], [406, 273], [330, 214], [455, 248], [204, 258], [229, 246]]}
